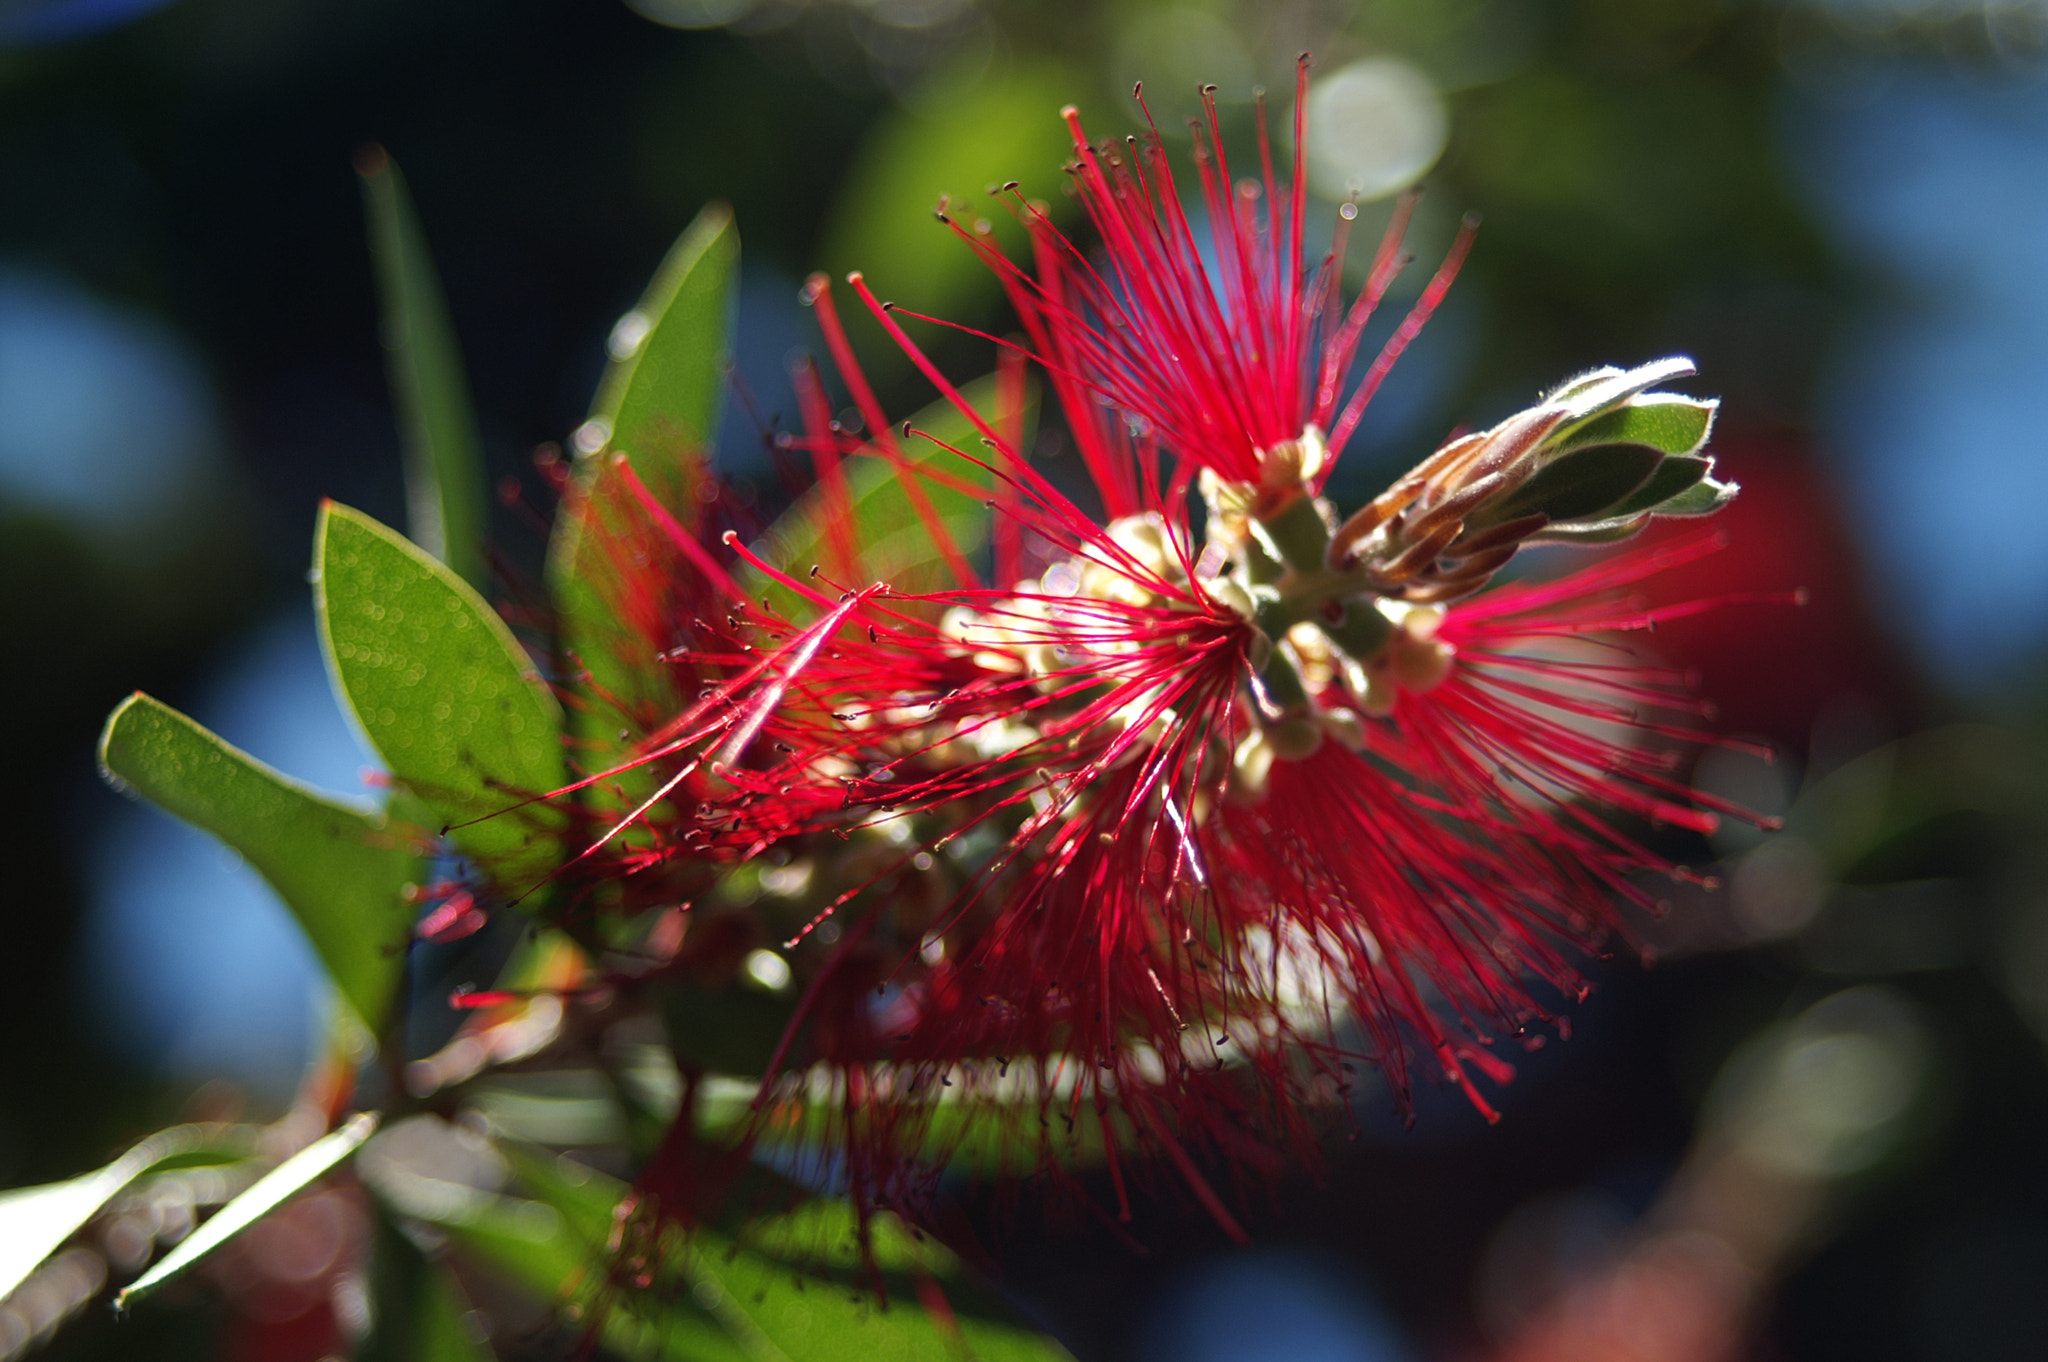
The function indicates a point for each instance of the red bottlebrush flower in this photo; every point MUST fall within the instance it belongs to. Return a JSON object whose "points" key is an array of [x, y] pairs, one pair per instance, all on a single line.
{"points": [[1163, 832], [1211, 340]]}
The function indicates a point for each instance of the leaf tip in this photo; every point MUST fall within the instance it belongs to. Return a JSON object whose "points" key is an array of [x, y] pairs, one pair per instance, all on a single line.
{"points": [[372, 161], [104, 752]]}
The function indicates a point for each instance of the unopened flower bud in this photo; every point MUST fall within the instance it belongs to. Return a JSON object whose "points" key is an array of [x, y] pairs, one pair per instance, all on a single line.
{"points": [[1231, 594], [1294, 737], [1251, 765], [1591, 463], [1345, 726]]}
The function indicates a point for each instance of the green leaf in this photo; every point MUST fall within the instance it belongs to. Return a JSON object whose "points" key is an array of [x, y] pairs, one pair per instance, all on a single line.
{"points": [[991, 129], [444, 475], [795, 1287], [658, 401], [1703, 498], [1587, 534], [341, 870], [1578, 485], [557, 1249], [982, 1137], [268, 1192], [1603, 389], [896, 545], [799, 1283], [416, 1308], [443, 691], [1673, 476], [1666, 421], [657, 404], [35, 1221]]}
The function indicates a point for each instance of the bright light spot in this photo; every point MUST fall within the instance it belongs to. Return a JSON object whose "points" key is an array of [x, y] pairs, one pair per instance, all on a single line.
{"points": [[768, 969], [786, 880], [1061, 580], [629, 333], [591, 436], [1374, 127]]}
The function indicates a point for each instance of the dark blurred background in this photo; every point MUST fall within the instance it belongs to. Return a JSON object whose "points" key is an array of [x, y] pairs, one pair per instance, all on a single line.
{"points": [[1812, 1130]]}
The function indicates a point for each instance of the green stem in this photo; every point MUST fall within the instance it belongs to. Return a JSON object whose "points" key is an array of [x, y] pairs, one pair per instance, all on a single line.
{"points": [[1296, 534], [1282, 684], [1363, 633]]}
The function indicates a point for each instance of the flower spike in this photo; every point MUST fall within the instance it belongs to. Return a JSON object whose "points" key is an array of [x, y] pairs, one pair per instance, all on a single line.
{"points": [[1160, 833]]}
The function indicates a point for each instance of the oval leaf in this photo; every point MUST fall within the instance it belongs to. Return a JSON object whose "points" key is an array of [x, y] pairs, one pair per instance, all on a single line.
{"points": [[342, 871], [1577, 485], [658, 404], [443, 691], [1702, 498], [1673, 476], [660, 395], [1666, 421], [444, 475], [268, 1192]]}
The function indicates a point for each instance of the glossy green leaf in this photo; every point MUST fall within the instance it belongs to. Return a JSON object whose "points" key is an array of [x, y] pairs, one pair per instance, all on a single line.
{"points": [[657, 404], [895, 544], [1672, 477], [795, 1286], [444, 472], [268, 1192], [341, 870], [1666, 421], [35, 1221], [442, 689], [1578, 485], [1703, 498]]}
